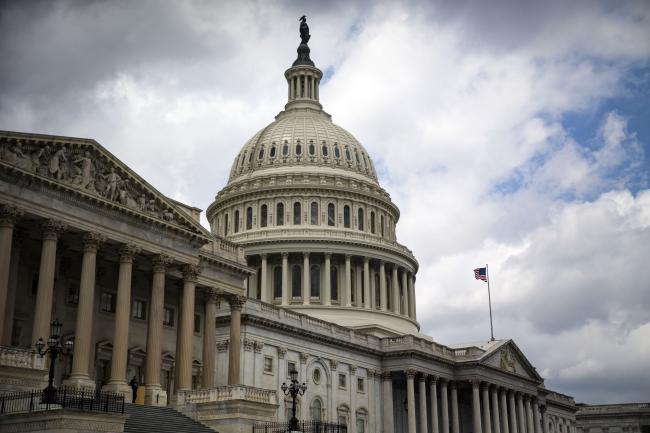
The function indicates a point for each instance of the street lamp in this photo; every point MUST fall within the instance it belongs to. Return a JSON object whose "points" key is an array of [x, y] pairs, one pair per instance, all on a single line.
{"points": [[294, 389], [54, 348]]}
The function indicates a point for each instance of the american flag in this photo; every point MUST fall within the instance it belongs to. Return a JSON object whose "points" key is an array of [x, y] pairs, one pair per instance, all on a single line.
{"points": [[480, 274]]}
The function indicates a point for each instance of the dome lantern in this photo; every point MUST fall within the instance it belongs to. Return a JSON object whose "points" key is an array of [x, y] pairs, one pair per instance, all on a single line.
{"points": [[303, 78]]}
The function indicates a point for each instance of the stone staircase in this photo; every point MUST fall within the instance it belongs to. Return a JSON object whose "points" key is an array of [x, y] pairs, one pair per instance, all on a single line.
{"points": [[147, 419]]}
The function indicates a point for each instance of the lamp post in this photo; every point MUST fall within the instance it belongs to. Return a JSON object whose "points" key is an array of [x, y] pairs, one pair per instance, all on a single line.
{"points": [[54, 348], [294, 389]]}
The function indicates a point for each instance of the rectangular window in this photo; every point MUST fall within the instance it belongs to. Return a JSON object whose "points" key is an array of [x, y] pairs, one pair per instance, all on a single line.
{"points": [[139, 309], [107, 304], [268, 364], [197, 323], [361, 384], [72, 296], [168, 316], [342, 381], [290, 367]]}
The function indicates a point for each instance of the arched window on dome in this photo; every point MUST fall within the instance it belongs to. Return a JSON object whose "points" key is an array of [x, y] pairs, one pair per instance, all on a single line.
{"points": [[296, 213], [331, 215], [381, 225], [249, 218], [337, 151], [242, 159], [264, 212], [312, 149], [377, 291], [372, 222], [296, 279], [298, 149], [356, 156], [334, 283], [314, 277], [225, 225], [272, 151], [360, 217], [277, 282], [325, 150], [260, 155], [346, 216], [237, 221], [279, 214], [314, 213], [250, 157], [285, 149], [348, 156]]}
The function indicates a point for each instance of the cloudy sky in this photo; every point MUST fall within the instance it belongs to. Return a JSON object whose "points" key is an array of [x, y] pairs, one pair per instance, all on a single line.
{"points": [[510, 133]]}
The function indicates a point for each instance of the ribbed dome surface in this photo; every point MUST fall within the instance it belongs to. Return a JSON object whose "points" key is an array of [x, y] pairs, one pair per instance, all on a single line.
{"points": [[303, 137]]}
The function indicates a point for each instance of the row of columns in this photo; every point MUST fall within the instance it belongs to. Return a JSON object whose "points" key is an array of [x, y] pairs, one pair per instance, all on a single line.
{"points": [[80, 374], [494, 409], [365, 285]]}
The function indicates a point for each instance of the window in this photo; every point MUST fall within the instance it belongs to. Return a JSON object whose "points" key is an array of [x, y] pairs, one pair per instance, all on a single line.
{"points": [[347, 154], [343, 414], [314, 276], [360, 222], [260, 155], [285, 149], [316, 376], [197, 323], [298, 149], [334, 281], [272, 152], [296, 213], [268, 364], [107, 302], [296, 276], [290, 367], [361, 385], [279, 214], [331, 215], [314, 213], [250, 157], [236, 221], [316, 410], [361, 425], [342, 380], [264, 211], [356, 155], [372, 223], [277, 282], [72, 297], [312, 148], [324, 149], [168, 316], [337, 151], [346, 216], [249, 218], [139, 309], [225, 225]]}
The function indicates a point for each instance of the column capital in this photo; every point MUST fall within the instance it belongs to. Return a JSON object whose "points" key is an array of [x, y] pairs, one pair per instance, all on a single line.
{"points": [[212, 295], [334, 364], [485, 386], [433, 378], [305, 254], [92, 241], [303, 357], [348, 256], [284, 254], [366, 260], [328, 255], [52, 229], [264, 255], [236, 302], [161, 262], [475, 383], [191, 273], [128, 252], [386, 375], [410, 373], [8, 215], [423, 377], [452, 384], [282, 352]]}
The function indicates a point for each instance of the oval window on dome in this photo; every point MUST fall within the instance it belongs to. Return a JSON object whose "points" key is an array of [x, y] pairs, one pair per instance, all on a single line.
{"points": [[347, 154], [337, 151], [285, 149], [260, 155], [356, 155], [272, 152], [312, 148], [325, 150], [298, 149]]}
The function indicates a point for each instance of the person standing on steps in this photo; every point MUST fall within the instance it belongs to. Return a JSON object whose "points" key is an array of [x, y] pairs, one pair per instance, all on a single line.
{"points": [[134, 388]]}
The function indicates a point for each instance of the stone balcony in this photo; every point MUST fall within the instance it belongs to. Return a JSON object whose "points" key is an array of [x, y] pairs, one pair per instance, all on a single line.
{"points": [[21, 369]]}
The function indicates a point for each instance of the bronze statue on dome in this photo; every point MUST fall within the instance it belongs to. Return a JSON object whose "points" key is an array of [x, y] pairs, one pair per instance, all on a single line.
{"points": [[304, 30]]}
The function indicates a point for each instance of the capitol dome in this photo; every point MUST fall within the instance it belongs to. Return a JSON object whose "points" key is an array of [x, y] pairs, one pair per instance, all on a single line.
{"points": [[304, 201]]}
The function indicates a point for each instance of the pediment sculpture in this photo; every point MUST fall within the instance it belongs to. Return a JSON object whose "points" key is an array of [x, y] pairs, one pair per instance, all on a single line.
{"points": [[508, 360]]}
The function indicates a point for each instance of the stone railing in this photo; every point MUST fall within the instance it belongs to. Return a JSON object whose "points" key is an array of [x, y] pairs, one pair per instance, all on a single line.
{"points": [[556, 396], [227, 393], [614, 408], [22, 358], [225, 248]]}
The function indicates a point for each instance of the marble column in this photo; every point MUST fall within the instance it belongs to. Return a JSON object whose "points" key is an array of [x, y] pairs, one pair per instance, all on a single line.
{"points": [[433, 390], [45, 289], [326, 296], [529, 415], [80, 376], [236, 304], [476, 407], [154, 394], [12, 287], [521, 421], [504, 409], [286, 295], [405, 295], [496, 422], [264, 280], [358, 285], [444, 405], [306, 279], [366, 283], [387, 408], [543, 419], [395, 290], [347, 287], [209, 338], [512, 411], [422, 382], [410, 400], [383, 296], [185, 333], [118, 382], [536, 418], [8, 215], [411, 288], [455, 423], [485, 397]]}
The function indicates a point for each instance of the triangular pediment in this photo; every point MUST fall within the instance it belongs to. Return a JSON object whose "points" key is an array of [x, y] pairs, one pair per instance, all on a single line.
{"points": [[87, 169], [509, 358]]}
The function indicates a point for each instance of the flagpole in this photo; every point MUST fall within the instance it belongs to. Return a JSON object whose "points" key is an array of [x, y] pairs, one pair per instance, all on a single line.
{"points": [[487, 275]]}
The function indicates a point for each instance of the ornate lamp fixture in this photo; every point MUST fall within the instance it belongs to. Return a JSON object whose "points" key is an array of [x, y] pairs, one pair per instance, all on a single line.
{"points": [[54, 348], [294, 389]]}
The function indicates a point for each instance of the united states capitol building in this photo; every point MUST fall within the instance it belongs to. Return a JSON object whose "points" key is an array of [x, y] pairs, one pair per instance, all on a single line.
{"points": [[301, 269]]}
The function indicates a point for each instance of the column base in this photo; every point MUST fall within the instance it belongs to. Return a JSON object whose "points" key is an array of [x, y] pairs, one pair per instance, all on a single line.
{"points": [[154, 395], [80, 382], [120, 387]]}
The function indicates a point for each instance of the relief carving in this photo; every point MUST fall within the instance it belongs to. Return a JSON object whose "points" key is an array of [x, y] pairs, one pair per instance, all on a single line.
{"points": [[508, 360]]}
